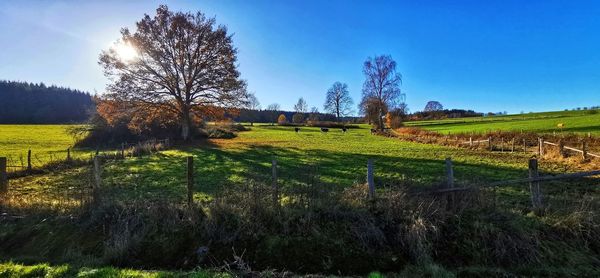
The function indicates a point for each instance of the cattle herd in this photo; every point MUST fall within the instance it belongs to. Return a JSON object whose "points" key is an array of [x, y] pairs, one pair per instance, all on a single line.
{"points": [[324, 129]]}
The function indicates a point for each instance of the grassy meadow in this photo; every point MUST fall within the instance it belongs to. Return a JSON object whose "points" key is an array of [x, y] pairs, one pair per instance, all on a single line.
{"points": [[336, 160], [499, 228], [584, 121], [46, 142]]}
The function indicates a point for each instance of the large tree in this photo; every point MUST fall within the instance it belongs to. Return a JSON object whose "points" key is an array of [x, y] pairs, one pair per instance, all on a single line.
{"points": [[338, 100], [381, 89], [182, 62]]}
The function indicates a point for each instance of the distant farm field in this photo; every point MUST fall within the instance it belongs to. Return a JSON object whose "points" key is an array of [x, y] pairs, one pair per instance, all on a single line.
{"points": [[46, 142], [573, 121]]}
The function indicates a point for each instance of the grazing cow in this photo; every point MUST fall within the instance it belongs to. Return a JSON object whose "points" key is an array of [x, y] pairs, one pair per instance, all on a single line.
{"points": [[297, 129], [344, 129], [323, 129], [373, 131]]}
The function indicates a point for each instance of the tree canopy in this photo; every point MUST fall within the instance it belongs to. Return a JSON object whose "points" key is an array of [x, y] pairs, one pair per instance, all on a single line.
{"points": [[338, 100], [183, 63], [381, 89], [29, 103]]}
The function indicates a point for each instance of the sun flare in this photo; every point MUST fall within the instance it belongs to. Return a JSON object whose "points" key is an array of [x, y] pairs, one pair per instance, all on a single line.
{"points": [[125, 51]]}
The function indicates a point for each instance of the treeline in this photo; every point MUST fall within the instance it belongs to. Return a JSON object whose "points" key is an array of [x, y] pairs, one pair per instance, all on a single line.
{"points": [[271, 116], [443, 114], [29, 103]]}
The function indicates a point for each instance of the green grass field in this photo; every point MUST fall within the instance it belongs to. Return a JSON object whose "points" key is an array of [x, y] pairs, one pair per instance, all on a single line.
{"points": [[334, 160], [574, 121], [46, 142], [338, 161]]}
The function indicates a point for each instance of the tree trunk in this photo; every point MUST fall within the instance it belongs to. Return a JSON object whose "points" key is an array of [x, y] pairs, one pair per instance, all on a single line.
{"points": [[186, 125], [380, 120]]}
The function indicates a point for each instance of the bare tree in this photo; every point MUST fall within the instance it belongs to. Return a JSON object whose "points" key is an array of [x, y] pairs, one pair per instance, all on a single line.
{"points": [[381, 89], [252, 105], [252, 102], [183, 62], [273, 109], [433, 106], [301, 106], [338, 100]]}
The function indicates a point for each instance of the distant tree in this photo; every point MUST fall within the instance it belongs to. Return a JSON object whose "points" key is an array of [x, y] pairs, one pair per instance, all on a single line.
{"points": [[281, 119], [182, 63], [298, 118], [301, 106], [338, 100], [381, 89], [433, 106], [314, 114], [273, 109], [253, 105]]}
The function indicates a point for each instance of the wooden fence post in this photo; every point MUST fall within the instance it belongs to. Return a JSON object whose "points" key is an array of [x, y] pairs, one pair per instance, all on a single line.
{"points": [[97, 179], [502, 144], [584, 149], [28, 160], [541, 147], [122, 150], [190, 180], [524, 145], [68, 154], [471, 142], [534, 186], [3, 175], [449, 173], [274, 185], [370, 179], [490, 143], [512, 146], [561, 148]]}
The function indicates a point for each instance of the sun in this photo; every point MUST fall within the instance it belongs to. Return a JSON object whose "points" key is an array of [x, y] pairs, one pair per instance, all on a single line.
{"points": [[125, 51]]}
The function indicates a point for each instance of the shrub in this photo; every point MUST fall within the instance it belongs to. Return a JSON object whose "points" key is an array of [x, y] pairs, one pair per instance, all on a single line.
{"points": [[281, 119], [298, 118]]}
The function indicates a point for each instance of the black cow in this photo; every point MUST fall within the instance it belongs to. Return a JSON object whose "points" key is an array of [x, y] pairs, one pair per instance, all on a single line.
{"points": [[323, 129], [297, 129], [373, 131], [344, 129]]}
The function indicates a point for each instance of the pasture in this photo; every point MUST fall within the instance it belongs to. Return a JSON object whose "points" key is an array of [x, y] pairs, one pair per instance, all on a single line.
{"points": [[308, 158], [46, 142], [334, 160], [584, 121]]}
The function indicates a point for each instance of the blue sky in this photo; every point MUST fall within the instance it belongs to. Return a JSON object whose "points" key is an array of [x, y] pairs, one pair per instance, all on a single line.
{"points": [[484, 55]]}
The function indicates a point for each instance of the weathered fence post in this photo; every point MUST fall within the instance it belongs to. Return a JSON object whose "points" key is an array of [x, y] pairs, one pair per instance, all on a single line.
{"points": [[502, 144], [490, 143], [471, 142], [3, 175], [449, 173], [122, 150], [584, 149], [561, 148], [97, 185], [68, 154], [28, 160], [190, 180], [512, 146], [370, 179], [541, 147], [274, 185], [534, 186]]}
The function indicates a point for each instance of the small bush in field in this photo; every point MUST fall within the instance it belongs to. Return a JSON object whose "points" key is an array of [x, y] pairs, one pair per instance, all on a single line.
{"points": [[281, 119]]}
